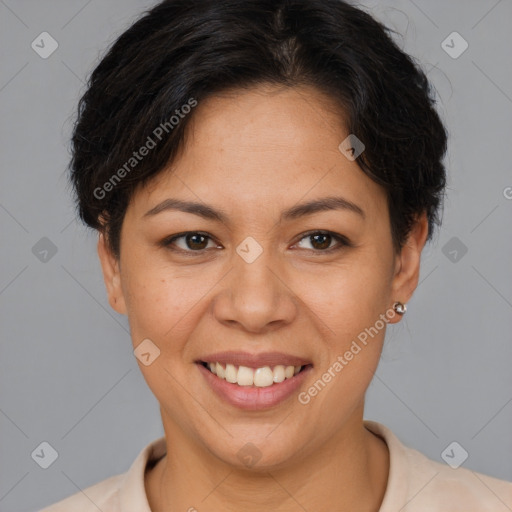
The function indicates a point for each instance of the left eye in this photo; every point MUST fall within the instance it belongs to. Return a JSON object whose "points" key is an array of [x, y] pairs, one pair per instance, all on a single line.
{"points": [[321, 241]]}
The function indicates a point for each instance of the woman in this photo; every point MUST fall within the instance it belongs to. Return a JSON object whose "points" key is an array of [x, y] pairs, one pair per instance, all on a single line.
{"points": [[263, 176]]}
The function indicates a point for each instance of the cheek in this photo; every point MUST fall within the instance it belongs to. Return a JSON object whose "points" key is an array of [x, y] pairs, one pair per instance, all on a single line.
{"points": [[351, 302], [350, 297], [165, 311], [162, 306], [351, 351]]}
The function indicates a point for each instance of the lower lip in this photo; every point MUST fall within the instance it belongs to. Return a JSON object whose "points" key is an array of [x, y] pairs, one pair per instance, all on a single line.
{"points": [[251, 397]]}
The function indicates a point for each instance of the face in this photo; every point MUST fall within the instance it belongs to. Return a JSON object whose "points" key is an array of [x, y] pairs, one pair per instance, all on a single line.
{"points": [[286, 260]]}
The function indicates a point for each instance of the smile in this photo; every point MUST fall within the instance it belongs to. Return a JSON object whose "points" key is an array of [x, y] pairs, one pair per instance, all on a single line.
{"points": [[254, 382], [261, 377]]}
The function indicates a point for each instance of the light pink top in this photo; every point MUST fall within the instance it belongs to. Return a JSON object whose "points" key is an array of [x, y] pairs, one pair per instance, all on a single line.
{"points": [[415, 484]]}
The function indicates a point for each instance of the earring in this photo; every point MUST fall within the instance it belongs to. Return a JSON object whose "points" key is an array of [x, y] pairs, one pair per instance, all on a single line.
{"points": [[400, 308]]}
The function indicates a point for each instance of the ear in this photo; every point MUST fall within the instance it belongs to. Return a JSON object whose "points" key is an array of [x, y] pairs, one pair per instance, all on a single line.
{"points": [[111, 276], [407, 264]]}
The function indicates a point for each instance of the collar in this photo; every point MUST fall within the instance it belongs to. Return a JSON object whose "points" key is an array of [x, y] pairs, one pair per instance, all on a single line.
{"points": [[133, 498]]}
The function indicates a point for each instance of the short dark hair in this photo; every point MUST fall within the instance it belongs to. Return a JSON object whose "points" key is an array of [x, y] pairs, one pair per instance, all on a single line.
{"points": [[182, 51]]}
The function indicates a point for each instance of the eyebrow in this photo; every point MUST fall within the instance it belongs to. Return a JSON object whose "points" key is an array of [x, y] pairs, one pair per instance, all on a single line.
{"points": [[300, 210]]}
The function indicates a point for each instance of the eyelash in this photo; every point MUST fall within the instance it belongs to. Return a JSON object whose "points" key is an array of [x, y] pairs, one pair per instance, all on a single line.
{"points": [[342, 242]]}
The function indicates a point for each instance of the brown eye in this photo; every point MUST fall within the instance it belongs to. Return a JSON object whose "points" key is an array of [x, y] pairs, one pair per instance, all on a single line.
{"points": [[321, 241], [191, 241], [196, 241]]}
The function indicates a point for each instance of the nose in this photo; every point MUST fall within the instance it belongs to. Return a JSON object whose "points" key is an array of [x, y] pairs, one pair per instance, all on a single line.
{"points": [[256, 296]]}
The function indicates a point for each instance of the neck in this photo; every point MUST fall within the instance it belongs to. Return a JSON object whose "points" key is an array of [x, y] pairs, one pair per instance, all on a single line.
{"points": [[348, 473]]}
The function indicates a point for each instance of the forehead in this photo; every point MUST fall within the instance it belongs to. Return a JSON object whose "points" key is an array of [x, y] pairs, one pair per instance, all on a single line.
{"points": [[267, 146]]}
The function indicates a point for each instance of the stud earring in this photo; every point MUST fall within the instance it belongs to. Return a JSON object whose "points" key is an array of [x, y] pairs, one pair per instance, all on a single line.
{"points": [[400, 308]]}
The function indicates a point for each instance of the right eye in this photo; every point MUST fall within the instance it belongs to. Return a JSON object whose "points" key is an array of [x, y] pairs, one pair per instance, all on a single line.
{"points": [[191, 242]]}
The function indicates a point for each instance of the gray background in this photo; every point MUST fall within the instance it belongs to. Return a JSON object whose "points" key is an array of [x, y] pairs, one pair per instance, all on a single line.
{"points": [[67, 372]]}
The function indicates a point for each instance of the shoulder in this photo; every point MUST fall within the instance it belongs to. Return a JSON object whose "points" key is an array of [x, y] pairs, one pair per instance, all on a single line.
{"points": [[102, 496], [437, 486], [419, 484], [122, 492]]}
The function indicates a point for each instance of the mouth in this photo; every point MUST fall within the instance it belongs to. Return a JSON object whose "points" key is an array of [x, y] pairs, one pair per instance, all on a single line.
{"points": [[259, 377], [254, 382]]}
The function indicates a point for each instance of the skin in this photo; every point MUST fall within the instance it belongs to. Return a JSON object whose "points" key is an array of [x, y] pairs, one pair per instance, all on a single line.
{"points": [[253, 154]]}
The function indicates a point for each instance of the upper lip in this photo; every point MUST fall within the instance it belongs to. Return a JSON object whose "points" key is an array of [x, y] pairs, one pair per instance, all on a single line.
{"points": [[254, 360]]}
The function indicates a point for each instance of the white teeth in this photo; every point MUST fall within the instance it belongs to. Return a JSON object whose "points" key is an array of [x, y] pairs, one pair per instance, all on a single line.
{"points": [[263, 377], [231, 373], [260, 377], [245, 376], [220, 371], [279, 373]]}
